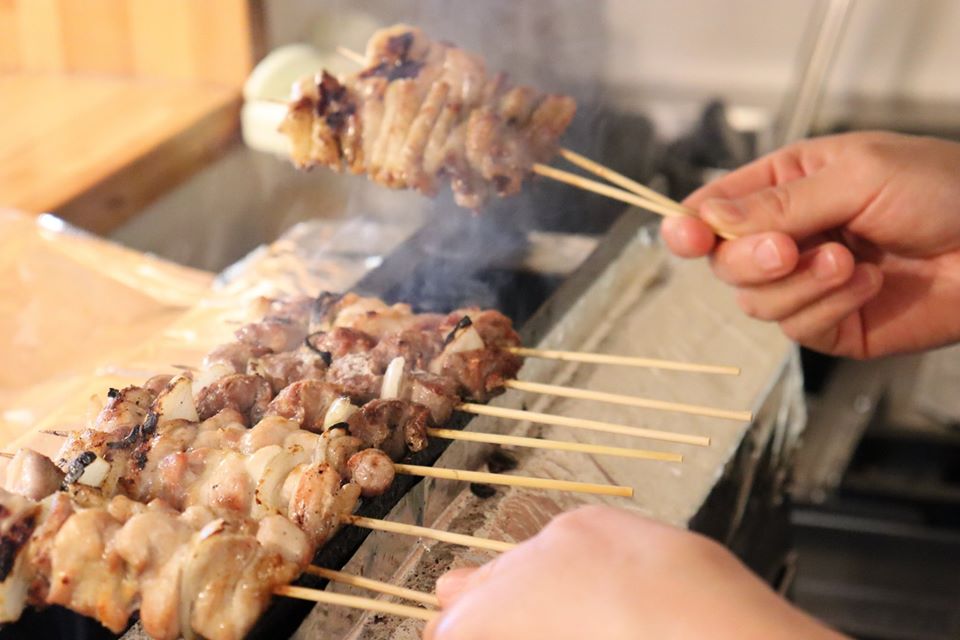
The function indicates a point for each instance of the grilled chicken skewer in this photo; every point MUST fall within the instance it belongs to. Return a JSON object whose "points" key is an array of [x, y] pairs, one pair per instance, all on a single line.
{"points": [[191, 573], [422, 111]]}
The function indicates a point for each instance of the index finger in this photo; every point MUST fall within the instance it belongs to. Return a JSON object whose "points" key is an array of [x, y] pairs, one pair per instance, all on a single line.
{"points": [[782, 165]]}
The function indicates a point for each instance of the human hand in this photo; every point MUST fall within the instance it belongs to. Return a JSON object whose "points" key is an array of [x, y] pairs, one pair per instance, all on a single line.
{"points": [[600, 572], [850, 242]]}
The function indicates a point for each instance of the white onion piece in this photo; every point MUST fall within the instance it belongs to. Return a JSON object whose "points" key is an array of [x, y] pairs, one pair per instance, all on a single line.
{"points": [[175, 402], [392, 379], [95, 472], [302, 439], [269, 487], [340, 409], [466, 340], [320, 451], [290, 483], [206, 377], [258, 461]]}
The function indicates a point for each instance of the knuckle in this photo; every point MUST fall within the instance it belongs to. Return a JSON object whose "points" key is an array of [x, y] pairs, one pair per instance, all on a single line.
{"points": [[776, 201]]}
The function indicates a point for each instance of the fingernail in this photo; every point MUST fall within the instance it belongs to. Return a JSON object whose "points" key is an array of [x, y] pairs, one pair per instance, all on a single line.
{"points": [[722, 211], [825, 265], [767, 256]]}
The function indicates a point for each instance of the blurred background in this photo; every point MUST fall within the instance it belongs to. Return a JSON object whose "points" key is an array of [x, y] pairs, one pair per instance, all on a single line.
{"points": [[123, 117]]}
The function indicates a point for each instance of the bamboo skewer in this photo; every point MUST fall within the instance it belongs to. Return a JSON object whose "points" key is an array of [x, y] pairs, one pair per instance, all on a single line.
{"points": [[374, 585], [651, 200], [352, 55], [621, 180], [614, 398], [581, 423], [514, 481], [536, 443], [356, 602], [629, 361], [60, 433], [605, 190], [439, 535]]}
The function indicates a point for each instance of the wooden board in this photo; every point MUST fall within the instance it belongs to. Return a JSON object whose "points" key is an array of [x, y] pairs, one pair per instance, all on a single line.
{"points": [[214, 41], [94, 150]]}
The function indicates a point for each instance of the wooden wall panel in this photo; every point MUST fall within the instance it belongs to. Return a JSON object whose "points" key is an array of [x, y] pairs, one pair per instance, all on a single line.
{"points": [[96, 36], [162, 41], [40, 35], [223, 39], [202, 40], [9, 40]]}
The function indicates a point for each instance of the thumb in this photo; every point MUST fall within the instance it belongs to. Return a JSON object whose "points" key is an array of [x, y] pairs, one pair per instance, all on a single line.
{"points": [[800, 208]]}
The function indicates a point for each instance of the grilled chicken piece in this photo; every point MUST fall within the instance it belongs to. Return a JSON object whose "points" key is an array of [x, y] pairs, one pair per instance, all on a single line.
{"points": [[87, 574], [278, 535], [28, 579], [32, 475], [341, 341], [235, 355], [371, 470], [293, 309], [395, 426], [318, 501], [480, 374], [226, 583], [153, 543], [421, 111], [415, 346], [436, 393], [18, 517], [495, 329], [305, 402], [357, 376], [283, 369], [124, 410], [273, 334], [338, 448], [272, 430], [247, 394]]}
